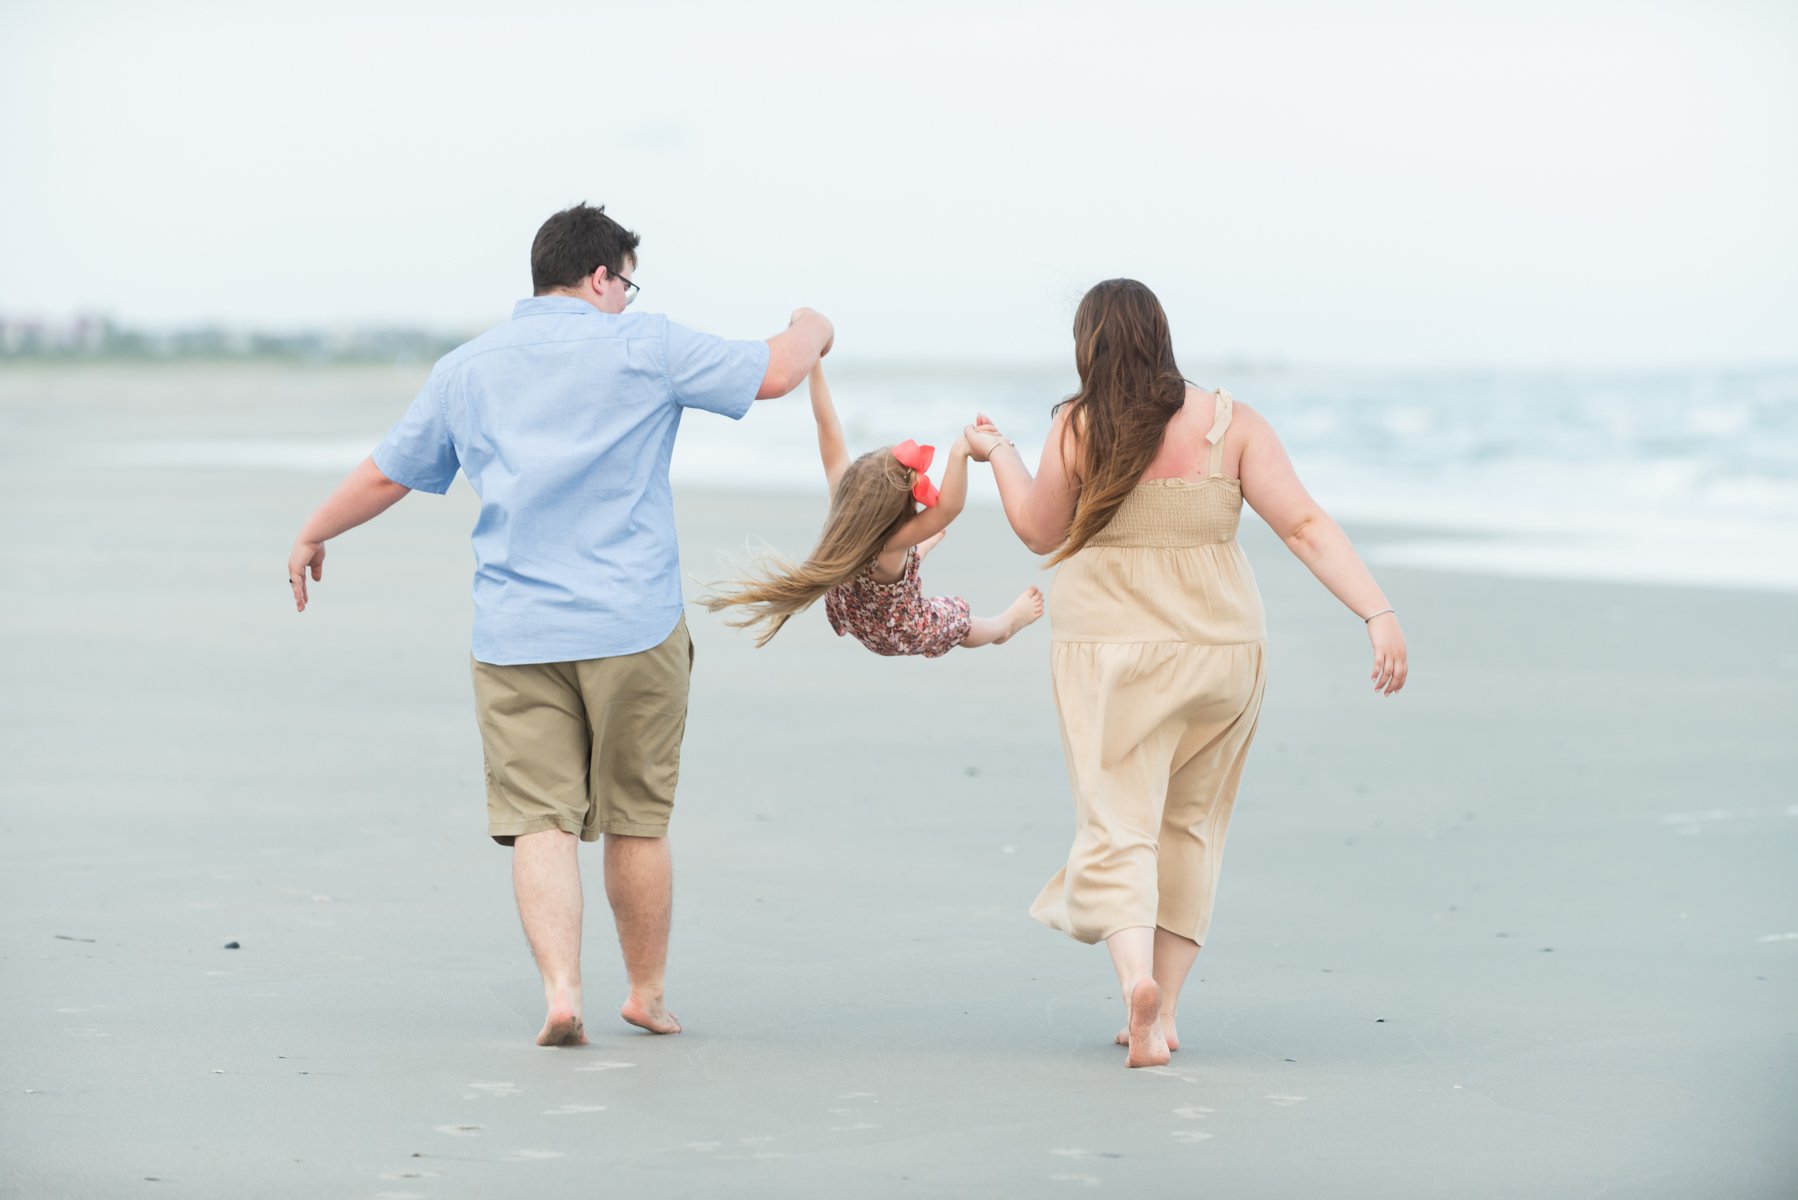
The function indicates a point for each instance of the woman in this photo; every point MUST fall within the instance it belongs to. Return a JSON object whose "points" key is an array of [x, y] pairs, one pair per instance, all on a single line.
{"points": [[1157, 639]]}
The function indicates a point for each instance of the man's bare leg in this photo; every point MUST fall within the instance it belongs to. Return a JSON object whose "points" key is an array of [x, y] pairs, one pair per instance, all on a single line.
{"points": [[1174, 956], [1133, 954], [640, 886], [546, 877]]}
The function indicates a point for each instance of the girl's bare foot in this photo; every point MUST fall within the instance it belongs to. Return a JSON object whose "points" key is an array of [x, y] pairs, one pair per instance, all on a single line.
{"points": [[649, 1015], [1167, 1031], [1027, 608], [562, 1027], [1148, 1046]]}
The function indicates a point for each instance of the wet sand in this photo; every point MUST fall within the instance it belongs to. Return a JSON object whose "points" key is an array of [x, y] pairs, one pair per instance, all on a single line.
{"points": [[1527, 929]]}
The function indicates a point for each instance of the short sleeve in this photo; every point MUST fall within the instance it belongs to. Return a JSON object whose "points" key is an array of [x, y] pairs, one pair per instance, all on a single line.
{"points": [[417, 452], [714, 373]]}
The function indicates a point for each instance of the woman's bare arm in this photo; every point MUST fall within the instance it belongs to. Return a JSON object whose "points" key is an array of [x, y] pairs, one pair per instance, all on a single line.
{"points": [[1272, 489], [1041, 507]]}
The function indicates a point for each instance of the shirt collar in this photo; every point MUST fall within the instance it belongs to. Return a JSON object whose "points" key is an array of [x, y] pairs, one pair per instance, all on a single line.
{"points": [[543, 306]]}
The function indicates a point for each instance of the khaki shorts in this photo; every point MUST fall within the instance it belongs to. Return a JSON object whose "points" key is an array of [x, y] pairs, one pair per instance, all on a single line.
{"points": [[587, 747]]}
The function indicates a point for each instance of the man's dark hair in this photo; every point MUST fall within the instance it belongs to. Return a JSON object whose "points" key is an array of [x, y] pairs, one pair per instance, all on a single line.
{"points": [[575, 243]]}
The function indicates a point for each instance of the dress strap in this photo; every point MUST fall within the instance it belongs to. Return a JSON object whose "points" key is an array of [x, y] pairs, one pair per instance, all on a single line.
{"points": [[1216, 436]]}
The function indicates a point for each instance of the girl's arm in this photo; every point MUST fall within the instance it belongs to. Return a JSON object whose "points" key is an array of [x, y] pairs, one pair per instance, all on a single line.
{"points": [[1273, 490], [830, 431], [1040, 509], [949, 501]]}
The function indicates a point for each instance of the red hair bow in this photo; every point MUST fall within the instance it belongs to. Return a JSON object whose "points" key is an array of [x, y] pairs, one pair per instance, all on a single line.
{"points": [[917, 457]]}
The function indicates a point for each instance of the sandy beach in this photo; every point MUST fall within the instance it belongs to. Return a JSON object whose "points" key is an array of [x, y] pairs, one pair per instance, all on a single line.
{"points": [[1527, 929]]}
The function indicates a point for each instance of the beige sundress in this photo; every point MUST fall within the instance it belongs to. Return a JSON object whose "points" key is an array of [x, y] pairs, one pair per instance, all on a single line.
{"points": [[1158, 656]]}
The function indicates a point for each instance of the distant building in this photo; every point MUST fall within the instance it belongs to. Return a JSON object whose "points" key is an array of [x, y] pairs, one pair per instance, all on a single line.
{"points": [[97, 336]]}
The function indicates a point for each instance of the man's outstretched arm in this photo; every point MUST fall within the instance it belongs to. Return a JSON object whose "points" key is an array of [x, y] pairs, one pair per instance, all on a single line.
{"points": [[794, 351], [364, 495]]}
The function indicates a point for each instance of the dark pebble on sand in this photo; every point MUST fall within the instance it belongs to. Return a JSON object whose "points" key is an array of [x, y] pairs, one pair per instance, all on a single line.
{"points": [[232, 946], [1292, 1060], [1546, 950], [1379, 1020]]}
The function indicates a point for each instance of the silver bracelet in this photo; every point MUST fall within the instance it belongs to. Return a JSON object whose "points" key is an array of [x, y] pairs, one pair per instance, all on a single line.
{"points": [[1368, 620]]}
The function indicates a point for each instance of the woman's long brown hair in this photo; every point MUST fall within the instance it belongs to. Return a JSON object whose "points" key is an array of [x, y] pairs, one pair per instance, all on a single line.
{"points": [[1130, 388], [873, 499]]}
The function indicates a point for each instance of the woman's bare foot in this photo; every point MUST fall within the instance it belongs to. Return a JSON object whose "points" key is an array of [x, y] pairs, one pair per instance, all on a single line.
{"points": [[1148, 1046], [562, 1027], [649, 1015], [1167, 1031], [1027, 608]]}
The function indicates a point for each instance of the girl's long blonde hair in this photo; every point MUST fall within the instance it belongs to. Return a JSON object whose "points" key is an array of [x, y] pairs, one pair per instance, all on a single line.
{"points": [[1130, 388], [873, 499]]}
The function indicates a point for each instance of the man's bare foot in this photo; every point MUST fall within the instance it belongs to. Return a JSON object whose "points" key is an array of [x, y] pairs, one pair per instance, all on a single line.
{"points": [[1167, 1031], [929, 543], [1148, 1047], [563, 1026], [1024, 610], [652, 1016]]}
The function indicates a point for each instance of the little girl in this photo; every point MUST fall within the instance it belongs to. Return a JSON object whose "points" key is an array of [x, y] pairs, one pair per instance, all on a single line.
{"points": [[866, 562]]}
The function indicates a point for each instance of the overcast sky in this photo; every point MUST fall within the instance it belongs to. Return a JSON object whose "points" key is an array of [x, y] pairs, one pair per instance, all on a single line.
{"points": [[1395, 184]]}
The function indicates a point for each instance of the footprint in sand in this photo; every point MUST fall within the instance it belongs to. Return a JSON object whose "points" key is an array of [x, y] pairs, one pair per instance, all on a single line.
{"points": [[605, 1064], [1285, 1101], [493, 1089], [532, 1156], [1193, 1112], [411, 1175], [569, 1110], [1190, 1135], [1081, 1180], [459, 1130]]}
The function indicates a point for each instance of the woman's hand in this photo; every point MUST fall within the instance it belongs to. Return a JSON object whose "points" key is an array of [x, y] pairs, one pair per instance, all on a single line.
{"points": [[1390, 666], [982, 437]]}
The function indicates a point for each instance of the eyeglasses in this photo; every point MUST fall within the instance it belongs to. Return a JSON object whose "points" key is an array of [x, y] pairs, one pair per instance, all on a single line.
{"points": [[630, 289]]}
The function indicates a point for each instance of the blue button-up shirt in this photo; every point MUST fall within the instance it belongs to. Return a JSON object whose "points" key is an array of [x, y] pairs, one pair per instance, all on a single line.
{"points": [[563, 419]]}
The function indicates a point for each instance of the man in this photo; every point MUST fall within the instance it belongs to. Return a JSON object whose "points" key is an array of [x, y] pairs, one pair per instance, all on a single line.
{"points": [[563, 420]]}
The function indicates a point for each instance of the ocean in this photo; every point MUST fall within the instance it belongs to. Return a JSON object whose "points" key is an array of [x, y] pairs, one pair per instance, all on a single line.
{"points": [[1683, 477]]}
